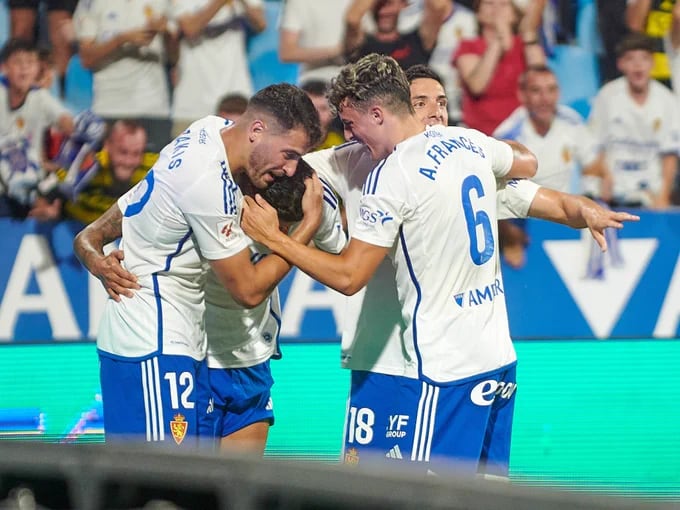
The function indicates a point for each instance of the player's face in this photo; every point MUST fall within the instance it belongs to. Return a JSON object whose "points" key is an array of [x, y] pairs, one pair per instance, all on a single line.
{"points": [[22, 69], [126, 151], [429, 101], [540, 96], [636, 66], [276, 154], [365, 127]]}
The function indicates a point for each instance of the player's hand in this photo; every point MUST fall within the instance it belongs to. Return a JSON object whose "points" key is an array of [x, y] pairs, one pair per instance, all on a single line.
{"points": [[139, 37], [116, 279], [312, 202], [259, 220], [598, 218]]}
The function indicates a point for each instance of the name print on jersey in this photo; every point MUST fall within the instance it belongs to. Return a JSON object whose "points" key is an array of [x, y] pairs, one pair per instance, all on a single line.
{"points": [[179, 148], [439, 151]]}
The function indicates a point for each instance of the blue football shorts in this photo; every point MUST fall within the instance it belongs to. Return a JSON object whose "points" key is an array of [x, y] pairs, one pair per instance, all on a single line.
{"points": [[463, 427], [240, 397], [160, 399]]}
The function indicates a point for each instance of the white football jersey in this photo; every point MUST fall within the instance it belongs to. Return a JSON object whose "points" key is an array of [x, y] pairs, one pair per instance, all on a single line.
{"points": [[375, 337], [133, 82], [243, 337], [514, 198], [634, 137], [38, 112], [561, 153], [214, 63], [186, 210]]}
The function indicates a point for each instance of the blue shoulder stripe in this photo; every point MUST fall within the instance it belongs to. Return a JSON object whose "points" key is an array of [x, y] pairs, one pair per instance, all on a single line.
{"points": [[372, 180]]}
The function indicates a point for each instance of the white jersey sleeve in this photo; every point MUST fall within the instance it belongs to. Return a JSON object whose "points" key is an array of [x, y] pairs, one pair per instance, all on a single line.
{"points": [[514, 197], [330, 236]]}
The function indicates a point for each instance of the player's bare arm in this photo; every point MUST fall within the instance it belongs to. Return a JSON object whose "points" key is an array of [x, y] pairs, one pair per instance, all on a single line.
{"points": [[250, 284], [346, 273], [577, 212], [524, 165], [89, 248]]}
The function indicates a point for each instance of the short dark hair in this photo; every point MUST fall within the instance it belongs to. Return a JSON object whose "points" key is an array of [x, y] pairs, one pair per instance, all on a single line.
{"points": [[419, 71], [15, 46], [285, 193], [290, 107], [374, 77], [635, 41], [537, 68], [315, 87], [232, 103]]}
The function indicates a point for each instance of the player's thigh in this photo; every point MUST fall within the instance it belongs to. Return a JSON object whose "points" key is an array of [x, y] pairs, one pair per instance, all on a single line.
{"points": [[495, 459], [251, 438], [160, 399], [381, 420], [241, 398]]}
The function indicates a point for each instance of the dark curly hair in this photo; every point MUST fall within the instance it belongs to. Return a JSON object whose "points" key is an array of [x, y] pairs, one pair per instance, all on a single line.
{"points": [[372, 78], [418, 71], [290, 107], [285, 193]]}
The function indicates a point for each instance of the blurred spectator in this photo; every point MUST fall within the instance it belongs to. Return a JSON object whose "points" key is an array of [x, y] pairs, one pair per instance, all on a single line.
{"points": [[558, 137], [26, 112], [316, 90], [654, 18], [673, 51], [611, 25], [635, 122], [120, 164], [410, 48], [310, 34], [212, 54], [232, 106], [24, 21], [490, 64], [122, 43], [459, 23]]}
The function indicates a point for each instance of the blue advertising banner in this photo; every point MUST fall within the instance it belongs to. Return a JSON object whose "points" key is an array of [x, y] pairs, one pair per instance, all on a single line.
{"points": [[634, 290]]}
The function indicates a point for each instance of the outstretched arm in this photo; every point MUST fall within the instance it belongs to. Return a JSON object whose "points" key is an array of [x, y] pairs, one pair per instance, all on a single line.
{"points": [[89, 248], [577, 212]]}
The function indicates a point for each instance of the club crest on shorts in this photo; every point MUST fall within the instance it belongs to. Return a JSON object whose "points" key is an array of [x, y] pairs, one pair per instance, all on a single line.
{"points": [[352, 457], [178, 427]]}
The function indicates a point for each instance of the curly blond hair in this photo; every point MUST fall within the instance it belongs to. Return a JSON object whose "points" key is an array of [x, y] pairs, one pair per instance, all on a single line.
{"points": [[373, 78]]}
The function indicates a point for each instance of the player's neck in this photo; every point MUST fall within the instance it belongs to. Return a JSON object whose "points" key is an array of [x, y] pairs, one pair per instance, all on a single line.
{"points": [[406, 127], [235, 146]]}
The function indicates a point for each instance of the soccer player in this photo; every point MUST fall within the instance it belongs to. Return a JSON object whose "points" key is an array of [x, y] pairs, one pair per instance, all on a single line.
{"points": [[241, 341], [152, 344], [392, 371]]}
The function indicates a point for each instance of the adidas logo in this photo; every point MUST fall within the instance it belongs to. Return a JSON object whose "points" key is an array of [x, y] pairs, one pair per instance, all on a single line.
{"points": [[394, 453]]}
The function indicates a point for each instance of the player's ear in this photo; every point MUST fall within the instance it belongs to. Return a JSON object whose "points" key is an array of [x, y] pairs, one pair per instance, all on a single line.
{"points": [[377, 115], [256, 129]]}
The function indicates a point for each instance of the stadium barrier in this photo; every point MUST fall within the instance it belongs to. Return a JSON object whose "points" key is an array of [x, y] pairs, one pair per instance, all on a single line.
{"points": [[106, 477]]}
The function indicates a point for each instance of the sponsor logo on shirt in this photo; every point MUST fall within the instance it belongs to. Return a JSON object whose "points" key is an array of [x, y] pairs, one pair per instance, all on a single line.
{"points": [[202, 136], [370, 217], [479, 296], [179, 427], [398, 422], [225, 229]]}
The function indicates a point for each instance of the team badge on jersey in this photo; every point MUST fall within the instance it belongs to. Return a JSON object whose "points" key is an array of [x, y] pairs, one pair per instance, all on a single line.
{"points": [[657, 125], [20, 122], [178, 427], [352, 457]]}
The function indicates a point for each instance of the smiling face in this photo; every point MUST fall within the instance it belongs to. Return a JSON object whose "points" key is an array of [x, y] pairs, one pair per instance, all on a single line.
{"points": [[274, 154], [540, 95], [429, 101], [125, 147], [365, 127]]}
